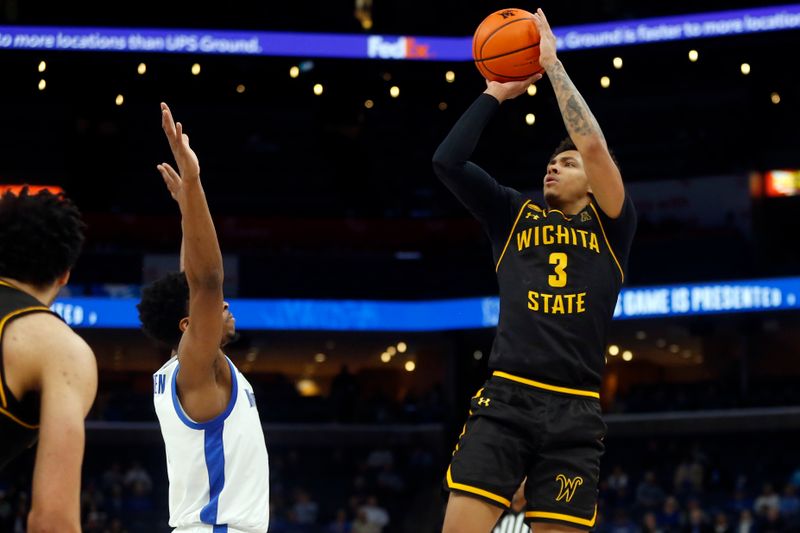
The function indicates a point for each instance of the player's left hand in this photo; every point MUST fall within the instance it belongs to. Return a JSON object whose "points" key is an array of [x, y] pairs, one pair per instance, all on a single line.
{"points": [[547, 40], [510, 89], [188, 165], [172, 180]]}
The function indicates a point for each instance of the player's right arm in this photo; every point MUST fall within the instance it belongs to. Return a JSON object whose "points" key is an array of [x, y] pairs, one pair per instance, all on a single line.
{"points": [[199, 347], [473, 186], [65, 374]]}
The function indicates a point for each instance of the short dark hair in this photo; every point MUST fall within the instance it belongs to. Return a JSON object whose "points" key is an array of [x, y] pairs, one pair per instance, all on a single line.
{"points": [[165, 302], [567, 144], [41, 236]]}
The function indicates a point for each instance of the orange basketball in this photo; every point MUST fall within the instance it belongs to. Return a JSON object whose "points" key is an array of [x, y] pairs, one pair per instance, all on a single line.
{"points": [[506, 46]]}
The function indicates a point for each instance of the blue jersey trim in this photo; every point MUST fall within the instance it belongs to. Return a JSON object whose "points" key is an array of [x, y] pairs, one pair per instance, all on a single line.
{"points": [[215, 464], [221, 529], [216, 421]]}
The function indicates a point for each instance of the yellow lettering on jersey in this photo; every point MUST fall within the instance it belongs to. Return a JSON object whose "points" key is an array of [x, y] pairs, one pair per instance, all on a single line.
{"points": [[557, 304], [569, 298], [546, 297], [533, 300], [547, 235], [583, 233], [557, 234], [593, 243], [562, 234], [524, 239]]}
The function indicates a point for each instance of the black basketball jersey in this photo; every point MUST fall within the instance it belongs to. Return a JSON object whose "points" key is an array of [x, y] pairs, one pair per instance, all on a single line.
{"points": [[559, 279], [559, 274], [19, 417]]}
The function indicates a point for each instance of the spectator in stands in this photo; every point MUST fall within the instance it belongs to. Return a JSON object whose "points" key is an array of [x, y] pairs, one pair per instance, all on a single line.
{"points": [[375, 514], [304, 509], [340, 524], [767, 500], [389, 480], [622, 523], [618, 480], [697, 521], [649, 495], [746, 522], [671, 518], [616, 489], [790, 503], [139, 500], [378, 459], [137, 474], [91, 495], [95, 519], [722, 523], [113, 476], [689, 475], [362, 524], [772, 522], [116, 502], [650, 524], [740, 501]]}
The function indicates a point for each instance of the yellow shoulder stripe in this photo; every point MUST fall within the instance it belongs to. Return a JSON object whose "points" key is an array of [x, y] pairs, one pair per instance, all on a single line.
{"points": [[510, 233], [610, 249], [17, 420], [3, 323]]}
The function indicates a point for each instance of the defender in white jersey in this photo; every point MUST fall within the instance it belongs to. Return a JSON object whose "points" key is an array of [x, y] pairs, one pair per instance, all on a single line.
{"points": [[217, 459]]}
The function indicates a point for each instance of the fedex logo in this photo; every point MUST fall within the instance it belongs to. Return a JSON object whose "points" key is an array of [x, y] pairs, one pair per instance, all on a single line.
{"points": [[400, 48]]}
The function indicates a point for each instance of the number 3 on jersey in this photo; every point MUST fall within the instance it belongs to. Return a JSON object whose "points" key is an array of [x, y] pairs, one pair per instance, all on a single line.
{"points": [[559, 279]]}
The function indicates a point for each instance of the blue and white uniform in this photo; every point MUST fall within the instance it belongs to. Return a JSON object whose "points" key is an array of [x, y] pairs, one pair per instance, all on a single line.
{"points": [[218, 470]]}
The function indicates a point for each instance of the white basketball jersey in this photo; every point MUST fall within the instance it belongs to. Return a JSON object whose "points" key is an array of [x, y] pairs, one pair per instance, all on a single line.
{"points": [[218, 470]]}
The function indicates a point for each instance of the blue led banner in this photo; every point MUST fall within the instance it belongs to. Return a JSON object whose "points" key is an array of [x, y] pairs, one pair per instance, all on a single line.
{"points": [[750, 296], [354, 46]]}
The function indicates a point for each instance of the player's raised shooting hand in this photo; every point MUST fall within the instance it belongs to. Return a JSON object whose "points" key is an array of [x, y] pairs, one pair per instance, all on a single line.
{"points": [[188, 165], [547, 40]]}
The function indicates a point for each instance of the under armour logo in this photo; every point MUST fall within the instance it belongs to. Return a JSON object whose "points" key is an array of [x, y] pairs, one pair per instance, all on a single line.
{"points": [[484, 402], [568, 487], [508, 13], [585, 217]]}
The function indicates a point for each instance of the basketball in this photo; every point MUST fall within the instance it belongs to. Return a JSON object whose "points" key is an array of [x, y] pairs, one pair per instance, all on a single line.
{"points": [[506, 46]]}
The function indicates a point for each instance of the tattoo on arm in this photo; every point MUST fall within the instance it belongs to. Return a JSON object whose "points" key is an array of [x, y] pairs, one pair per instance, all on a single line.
{"points": [[577, 117]]}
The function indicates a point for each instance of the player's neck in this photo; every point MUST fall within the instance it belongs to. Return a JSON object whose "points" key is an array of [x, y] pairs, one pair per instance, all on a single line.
{"points": [[46, 295], [570, 208]]}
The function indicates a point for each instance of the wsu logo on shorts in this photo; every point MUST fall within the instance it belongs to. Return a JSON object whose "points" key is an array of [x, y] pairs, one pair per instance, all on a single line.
{"points": [[568, 487]]}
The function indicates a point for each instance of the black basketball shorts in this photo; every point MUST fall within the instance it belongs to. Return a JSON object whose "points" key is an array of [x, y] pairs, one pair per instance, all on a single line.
{"points": [[520, 429]]}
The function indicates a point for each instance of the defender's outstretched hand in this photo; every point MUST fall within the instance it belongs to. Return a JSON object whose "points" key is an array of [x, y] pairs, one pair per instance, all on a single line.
{"points": [[188, 165]]}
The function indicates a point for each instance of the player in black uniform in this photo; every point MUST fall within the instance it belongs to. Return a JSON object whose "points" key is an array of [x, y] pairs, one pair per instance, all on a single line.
{"points": [[560, 267], [49, 374]]}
